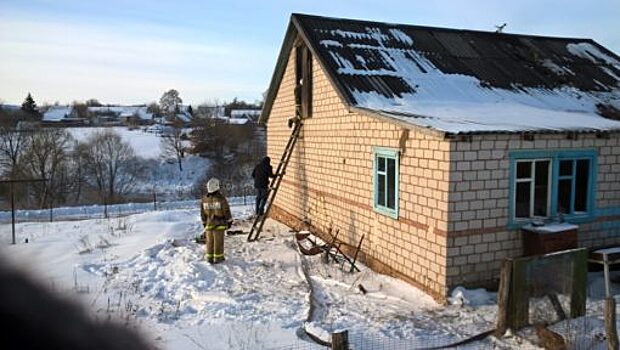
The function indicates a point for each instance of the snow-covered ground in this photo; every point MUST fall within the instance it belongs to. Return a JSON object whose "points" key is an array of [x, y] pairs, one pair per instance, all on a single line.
{"points": [[146, 145], [146, 271]]}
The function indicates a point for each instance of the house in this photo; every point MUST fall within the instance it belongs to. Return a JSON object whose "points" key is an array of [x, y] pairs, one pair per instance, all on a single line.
{"points": [[439, 145], [248, 114], [61, 115], [210, 111], [118, 115]]}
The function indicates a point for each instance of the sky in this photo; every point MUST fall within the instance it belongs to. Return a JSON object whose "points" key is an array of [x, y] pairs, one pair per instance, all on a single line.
{"points": [[132, 51]]}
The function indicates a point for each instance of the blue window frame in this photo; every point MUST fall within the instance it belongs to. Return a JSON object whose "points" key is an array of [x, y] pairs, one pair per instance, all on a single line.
{"points": [[385, 181], [547, 184]]}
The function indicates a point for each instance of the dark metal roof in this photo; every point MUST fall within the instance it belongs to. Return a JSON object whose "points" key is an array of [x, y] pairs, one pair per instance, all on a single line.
{"points": [[497, 59], [363, 57]]}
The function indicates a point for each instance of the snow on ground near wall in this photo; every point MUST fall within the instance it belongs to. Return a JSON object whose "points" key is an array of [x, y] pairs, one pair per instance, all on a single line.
{"points": [[146, 268]]}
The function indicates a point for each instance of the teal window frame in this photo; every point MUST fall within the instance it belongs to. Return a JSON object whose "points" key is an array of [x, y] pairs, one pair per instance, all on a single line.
{"points": [[556, 156], [385, 153]]}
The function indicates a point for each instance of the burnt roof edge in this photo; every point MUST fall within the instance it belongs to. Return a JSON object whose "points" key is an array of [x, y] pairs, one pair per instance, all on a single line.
{"points": [[295, 26]]}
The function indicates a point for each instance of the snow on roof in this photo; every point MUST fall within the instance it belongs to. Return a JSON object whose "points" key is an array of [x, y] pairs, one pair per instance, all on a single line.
{"points": [[57, 113], [238, 121], [123, 111], [10, 107], [244, 113], [461, 81], [184, 116]]}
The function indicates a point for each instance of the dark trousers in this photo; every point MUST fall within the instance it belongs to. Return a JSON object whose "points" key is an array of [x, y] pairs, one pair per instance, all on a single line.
{"points": [[261, 200]]}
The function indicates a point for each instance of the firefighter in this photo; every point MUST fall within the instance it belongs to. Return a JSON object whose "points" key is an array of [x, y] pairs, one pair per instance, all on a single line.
{"points": [[216, 218]]}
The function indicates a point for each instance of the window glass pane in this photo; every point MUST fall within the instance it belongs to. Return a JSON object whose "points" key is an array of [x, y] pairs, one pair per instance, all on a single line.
{"points": [[541, 188], [391, 183], [524, 170], [381, 190], [564, 190], [581, 185], [566, 168], [381, 164], [522, 200]]}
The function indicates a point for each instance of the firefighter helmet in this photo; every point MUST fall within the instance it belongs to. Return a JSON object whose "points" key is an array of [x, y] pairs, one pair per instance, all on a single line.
{"points": [[213, 185]]}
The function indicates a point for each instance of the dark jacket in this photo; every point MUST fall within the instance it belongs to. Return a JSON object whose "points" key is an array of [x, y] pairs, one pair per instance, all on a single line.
{"points": [[215, 212], [261, 174]]}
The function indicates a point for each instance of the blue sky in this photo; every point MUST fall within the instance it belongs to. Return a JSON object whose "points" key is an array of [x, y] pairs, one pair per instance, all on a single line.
{"points": [[131, 51]]}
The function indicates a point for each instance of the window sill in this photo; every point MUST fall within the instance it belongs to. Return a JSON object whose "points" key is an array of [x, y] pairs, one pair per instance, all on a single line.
{"points": [[387, 212], [572, 219]]}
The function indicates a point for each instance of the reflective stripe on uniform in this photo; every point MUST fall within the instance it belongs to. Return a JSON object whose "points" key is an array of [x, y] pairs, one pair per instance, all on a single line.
{"points": [[216, 227], [212, 206], [208, 255]]}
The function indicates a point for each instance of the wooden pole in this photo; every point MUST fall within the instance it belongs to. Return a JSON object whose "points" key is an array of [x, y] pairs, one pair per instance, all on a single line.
{"points": [[11, 182], [503, 296], [105, 207], [340, 340], [12, 213], [359, 246], [610, 323], [557, 306], [51, 209]]}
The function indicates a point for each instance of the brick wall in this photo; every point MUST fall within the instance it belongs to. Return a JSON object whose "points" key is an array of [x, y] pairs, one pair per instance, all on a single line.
{"points": [[329, 183], [454, 194], [479, 196]]}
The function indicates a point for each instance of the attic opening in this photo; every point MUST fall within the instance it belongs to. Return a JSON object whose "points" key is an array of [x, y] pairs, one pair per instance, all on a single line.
{"points": [[303, 80]]}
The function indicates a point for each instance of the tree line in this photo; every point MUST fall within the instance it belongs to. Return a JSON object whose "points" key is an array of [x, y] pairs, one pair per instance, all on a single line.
{"points": [[100, 169], [103, 168]]}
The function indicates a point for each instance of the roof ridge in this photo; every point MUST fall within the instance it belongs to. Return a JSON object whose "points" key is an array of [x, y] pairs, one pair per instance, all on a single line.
{"points": [[446, 29]]}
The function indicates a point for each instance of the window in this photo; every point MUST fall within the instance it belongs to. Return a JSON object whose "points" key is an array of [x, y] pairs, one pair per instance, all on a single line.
{"points": [[547, 184], [386, 181], [532, 188], [303, 79]]}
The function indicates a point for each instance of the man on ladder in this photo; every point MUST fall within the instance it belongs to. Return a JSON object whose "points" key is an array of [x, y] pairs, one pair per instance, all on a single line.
{"points": [[261, 174], [272, 190]]}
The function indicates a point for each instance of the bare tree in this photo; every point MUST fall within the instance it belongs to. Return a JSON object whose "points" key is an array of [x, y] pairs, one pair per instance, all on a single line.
{"points": [[13, 143], [110, 165], [93, 102], [172, 144], [47, 157], [80, 109]]}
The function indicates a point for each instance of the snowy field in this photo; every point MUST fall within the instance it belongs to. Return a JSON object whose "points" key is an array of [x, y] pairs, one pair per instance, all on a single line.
{"points": [[162, 175], [145, 271], [146, 145]]}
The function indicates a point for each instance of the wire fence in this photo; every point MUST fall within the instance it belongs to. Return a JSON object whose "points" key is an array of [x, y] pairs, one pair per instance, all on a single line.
{"points": [[364, 341], [113, 210]]}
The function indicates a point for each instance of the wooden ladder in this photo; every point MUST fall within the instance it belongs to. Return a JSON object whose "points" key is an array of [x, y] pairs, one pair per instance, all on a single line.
{"points": [[259, 221]]}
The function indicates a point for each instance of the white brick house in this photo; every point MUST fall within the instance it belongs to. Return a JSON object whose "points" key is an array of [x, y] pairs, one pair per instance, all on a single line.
{"points": [[439, 144]]}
